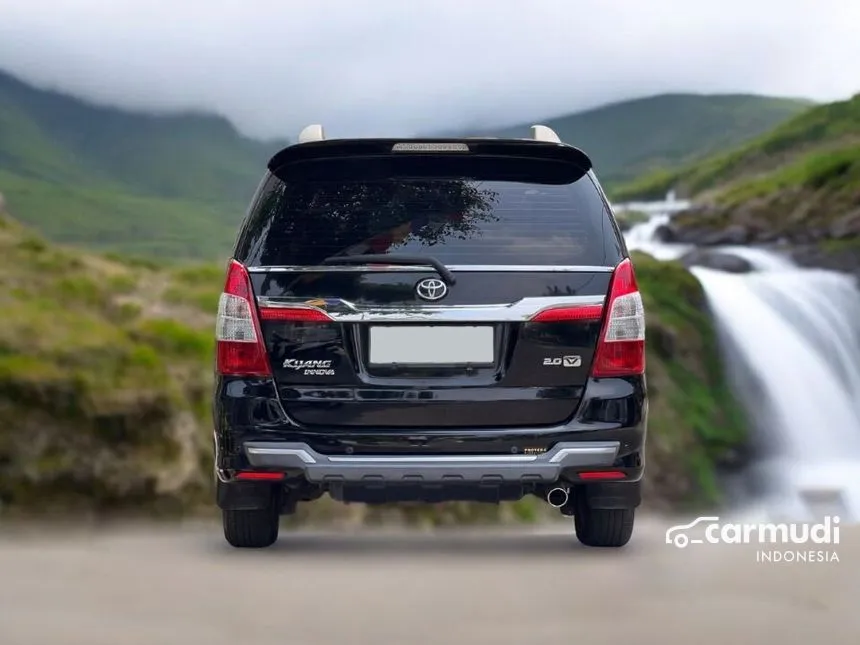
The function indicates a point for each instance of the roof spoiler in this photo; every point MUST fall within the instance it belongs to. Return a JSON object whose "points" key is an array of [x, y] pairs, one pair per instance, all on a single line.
{"points": [[315, 132], [543, 144]]}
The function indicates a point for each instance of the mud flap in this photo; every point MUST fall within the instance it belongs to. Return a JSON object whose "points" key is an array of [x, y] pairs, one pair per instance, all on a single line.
{"points": [[611, 495], [246, 496]]}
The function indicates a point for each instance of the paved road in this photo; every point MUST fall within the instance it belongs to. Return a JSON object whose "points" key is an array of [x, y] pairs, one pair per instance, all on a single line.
{"points": [[163, 585]]}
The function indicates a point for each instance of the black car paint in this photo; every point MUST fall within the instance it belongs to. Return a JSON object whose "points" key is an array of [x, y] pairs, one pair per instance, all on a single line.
{"points": [[249, 409], [610, 409], [513, 409], [517, 390]]}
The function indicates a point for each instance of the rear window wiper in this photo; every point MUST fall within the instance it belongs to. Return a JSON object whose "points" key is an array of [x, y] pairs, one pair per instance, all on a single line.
{"points": [[405, 260]]}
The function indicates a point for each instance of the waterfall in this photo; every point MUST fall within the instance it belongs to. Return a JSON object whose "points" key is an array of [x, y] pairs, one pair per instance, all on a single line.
{"points": [[791, 343]]}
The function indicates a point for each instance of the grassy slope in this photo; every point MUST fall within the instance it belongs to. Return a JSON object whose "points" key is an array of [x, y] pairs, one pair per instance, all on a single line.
{"points": [[170, 185], [105, 373], [797, 186], [103, 391], [176, 186], [695, 425], [630, 138], [820, 142]]}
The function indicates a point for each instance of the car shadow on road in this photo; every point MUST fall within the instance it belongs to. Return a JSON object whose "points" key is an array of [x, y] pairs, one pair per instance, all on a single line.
{"points": [[442, 543]]}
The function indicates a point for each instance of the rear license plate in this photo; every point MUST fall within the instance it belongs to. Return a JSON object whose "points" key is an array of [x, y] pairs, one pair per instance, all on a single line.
{"points": [[436, 345]]}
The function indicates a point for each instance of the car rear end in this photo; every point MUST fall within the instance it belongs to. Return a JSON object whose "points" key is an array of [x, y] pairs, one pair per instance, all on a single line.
{"points": [[442, 320]]}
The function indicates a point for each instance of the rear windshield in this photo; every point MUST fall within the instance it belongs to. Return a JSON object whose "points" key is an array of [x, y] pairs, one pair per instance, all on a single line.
{"points": [[310, 216]]}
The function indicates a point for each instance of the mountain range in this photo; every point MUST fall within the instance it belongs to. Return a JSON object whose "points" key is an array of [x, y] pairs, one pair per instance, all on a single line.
{"points": [[628, 139], [170, 185], [176, 185]]}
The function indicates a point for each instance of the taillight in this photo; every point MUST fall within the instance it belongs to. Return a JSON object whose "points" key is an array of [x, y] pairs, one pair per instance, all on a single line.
{"points": [[294, 314], [241, 351], [621, 347], [580, 313]]}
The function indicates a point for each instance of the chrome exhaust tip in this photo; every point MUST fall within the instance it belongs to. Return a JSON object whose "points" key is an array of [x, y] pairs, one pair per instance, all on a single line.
{"points": [[557, 497]]}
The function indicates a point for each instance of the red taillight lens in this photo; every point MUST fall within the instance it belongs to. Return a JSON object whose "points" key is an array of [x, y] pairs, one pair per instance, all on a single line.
{"points": [[241, 351], [294, 314], [582, 313], [621, 347]]}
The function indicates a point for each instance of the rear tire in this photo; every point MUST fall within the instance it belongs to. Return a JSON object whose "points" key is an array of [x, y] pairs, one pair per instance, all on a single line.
{"points": [[603, 527], [253, 529]]}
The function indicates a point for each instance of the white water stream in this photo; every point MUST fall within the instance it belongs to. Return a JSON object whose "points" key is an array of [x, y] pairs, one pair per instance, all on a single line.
{"points": [[791, 343]]}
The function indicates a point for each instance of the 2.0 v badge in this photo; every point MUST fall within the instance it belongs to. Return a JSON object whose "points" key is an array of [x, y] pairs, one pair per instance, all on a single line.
{"points": [[564, 361]]}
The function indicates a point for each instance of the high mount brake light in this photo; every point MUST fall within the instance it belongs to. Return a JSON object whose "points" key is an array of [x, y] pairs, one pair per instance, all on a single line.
{"points": [[417, 146], [241, 351], [621, 347]]}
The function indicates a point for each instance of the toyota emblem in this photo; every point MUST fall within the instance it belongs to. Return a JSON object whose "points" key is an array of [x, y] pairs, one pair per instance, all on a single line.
{"points": [[431, 289]]}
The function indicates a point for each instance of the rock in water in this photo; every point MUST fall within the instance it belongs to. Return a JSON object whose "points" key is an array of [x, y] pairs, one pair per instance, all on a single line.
{"points": [[845, 227], [666, 234], [734, 234], [719, 260]]}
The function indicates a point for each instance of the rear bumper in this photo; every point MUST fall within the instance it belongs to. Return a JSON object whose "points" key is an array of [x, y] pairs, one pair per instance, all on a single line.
{"points": [[490, 469], [253, 432]]}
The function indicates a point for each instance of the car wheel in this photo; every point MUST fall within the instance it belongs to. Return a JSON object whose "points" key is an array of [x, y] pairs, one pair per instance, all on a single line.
{"points": [[603, 527], [252, 529]]}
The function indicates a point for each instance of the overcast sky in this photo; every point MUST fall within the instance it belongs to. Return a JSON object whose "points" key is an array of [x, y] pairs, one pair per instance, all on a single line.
{"points": [[368, 67]]}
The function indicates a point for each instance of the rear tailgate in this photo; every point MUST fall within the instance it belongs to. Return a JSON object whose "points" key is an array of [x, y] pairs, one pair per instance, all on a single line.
{"points": [[356, 370], [522, 233]]}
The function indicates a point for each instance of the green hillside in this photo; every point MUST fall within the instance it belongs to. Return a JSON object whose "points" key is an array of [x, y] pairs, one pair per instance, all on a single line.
{"points": [[828, 131], [170, 185], [105, 381], [175, 186], [799, 183], [628, 139]]}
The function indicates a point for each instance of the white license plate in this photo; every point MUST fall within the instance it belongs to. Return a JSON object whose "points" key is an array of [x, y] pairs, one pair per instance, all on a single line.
{"points": [[436, 345]]}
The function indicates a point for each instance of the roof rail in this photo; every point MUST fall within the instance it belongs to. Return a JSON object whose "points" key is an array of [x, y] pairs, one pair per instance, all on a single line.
{"points": [[312, 133], [544, 133]]}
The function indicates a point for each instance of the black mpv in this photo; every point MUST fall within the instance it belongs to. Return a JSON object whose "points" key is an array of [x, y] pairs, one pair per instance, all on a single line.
{"points": [[430, 320]]}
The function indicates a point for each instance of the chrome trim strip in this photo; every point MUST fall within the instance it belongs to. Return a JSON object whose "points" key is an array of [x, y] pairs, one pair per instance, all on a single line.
{"points": [[473, 268], [302, 454], [601, 449], [594, 449], [435, 459], [415, 468], [519, 311]]}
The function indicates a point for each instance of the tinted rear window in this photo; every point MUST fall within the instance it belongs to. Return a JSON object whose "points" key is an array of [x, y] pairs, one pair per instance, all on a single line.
{"points": [[516, 216]]}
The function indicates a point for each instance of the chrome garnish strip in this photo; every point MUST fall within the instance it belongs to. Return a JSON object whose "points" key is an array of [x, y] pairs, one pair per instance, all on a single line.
{"points": [[433, 467], [431, 459], [344, 311], [594, 448], [559, 454], [301, 453], [507, 268]]}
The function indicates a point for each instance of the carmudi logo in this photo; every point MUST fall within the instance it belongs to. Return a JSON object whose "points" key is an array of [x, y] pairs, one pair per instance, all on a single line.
{"points": [[709, 530]]}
